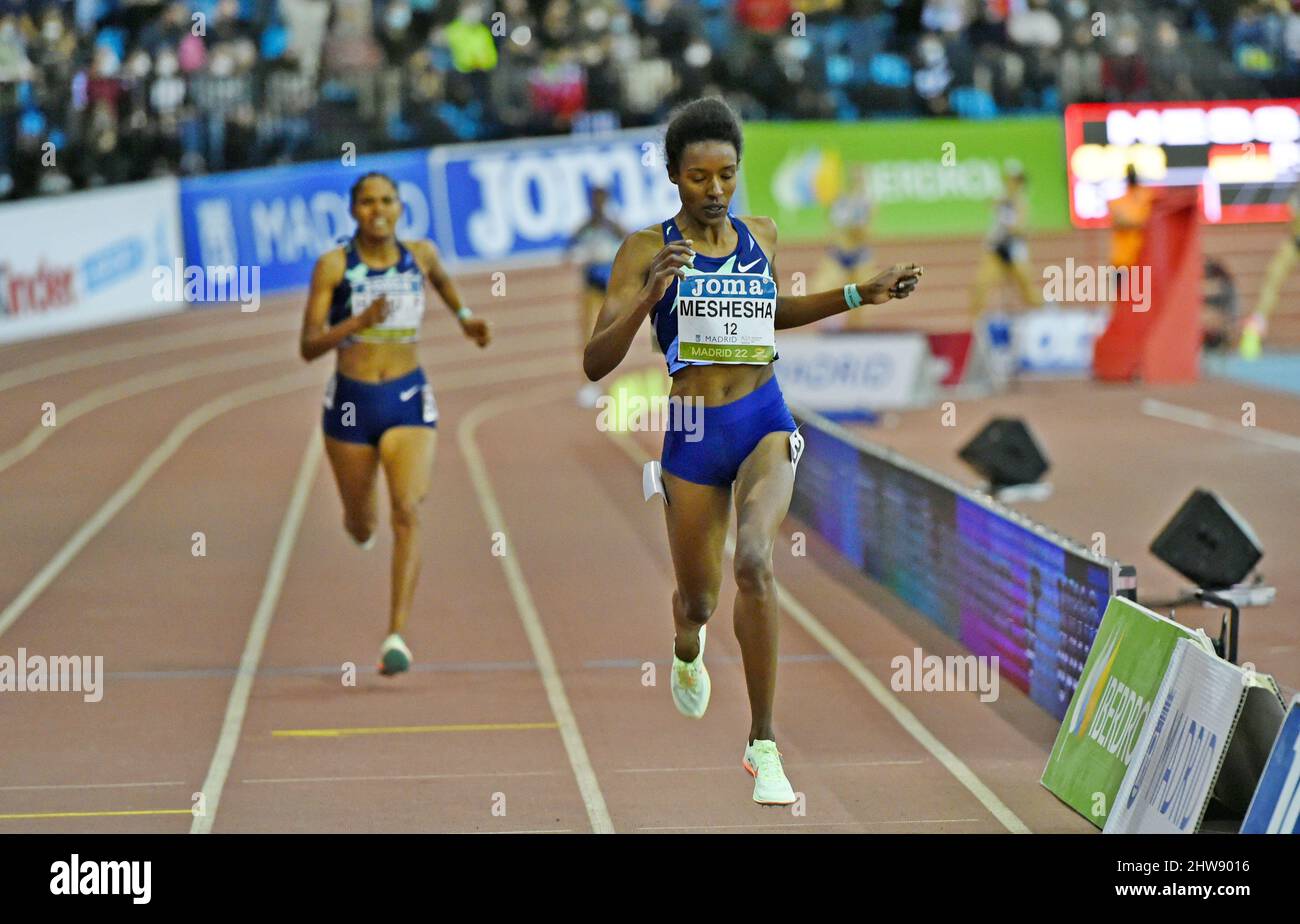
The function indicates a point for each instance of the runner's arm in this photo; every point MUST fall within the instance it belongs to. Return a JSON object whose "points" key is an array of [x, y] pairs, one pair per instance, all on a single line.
{"points": [[639, 277], [317, 337], [798, 310], [426, 252]]}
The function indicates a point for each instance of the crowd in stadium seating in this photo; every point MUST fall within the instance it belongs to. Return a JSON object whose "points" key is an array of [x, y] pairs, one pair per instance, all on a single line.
{"points": [[113, 90]]}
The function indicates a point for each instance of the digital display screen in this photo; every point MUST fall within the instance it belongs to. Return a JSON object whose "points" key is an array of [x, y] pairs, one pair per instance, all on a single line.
{"points": [[1243, 156], [997, 585]]}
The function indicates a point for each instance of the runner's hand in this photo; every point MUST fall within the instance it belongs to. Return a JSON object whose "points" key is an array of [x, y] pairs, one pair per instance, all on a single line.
{"points": [[477, 329], [669, 264], [376, 312], [895, 282]]}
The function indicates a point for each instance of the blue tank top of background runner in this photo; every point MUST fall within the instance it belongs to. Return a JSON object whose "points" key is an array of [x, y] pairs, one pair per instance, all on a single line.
{"points": [[748, 257], [405, 275]]}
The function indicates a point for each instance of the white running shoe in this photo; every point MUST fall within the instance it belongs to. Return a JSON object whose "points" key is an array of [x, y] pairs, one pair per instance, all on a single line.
{"points": [[690, 683], [394, 656], [363, 546], [763, 761], [589, 395]]}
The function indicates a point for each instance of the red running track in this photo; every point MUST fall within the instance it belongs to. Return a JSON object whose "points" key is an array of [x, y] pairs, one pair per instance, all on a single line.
{"points": [[531, 706]]}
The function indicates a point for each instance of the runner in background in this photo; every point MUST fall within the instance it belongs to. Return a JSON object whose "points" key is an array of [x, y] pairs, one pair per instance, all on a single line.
{"points": [[848, 258], [1007, 258], [594, 245], [1284, 260], [1129, 215], [366, 305]]}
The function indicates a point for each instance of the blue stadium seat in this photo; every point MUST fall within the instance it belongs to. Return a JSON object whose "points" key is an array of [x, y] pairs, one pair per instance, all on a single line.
{"points": [[839, 70], [399, 131], [845, 111], [719, 31], [274, 42], [972, 103], [890, 70], [114, 38], [32, 123]]}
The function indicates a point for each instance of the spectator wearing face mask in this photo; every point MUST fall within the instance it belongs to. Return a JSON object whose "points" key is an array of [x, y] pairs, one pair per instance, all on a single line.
{"points": [[394, 32], [933, 76], [1170, 65], [1123, 72], [1080, 70], [305, 21]]}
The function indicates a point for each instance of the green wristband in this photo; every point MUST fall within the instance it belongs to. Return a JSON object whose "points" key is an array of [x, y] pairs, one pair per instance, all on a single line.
{"points": [[464, 313], [851, 296]]}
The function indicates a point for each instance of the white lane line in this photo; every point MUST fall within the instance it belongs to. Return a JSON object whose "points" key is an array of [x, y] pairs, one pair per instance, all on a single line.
{"points": [[237, 703], [91, 786], [126, 388], [241, 691], [270, 388], [155, 460], [220, 333], [400, 778], [901, 714], [879, 691], [1194, 418], [812, 824], [186, 371], [731, 768], [134, 349], [588, 786]]}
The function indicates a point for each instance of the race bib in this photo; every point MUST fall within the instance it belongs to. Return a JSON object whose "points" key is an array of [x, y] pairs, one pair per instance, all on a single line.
{"points": [[405, 293], [726, 318]]}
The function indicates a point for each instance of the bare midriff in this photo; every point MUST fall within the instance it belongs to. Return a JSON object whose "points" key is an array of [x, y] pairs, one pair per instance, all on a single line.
{"points": [[719, 383], [377, 362]]}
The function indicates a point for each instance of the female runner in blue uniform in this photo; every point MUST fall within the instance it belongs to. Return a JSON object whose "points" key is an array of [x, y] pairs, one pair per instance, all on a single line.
{"points": [[706, 281], [595, 244], [367, 301]]}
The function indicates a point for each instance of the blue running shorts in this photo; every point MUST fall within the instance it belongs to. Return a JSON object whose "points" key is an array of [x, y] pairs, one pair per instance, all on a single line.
{"points": [[725, 437], [360, 412]]}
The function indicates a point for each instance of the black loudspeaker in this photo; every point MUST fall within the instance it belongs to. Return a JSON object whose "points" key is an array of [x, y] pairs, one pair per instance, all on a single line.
{"points": [[1208, 543], [1005, 453]]}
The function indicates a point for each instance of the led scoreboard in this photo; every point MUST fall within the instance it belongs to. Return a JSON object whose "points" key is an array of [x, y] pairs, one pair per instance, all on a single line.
{"points": [[1243, 156]]}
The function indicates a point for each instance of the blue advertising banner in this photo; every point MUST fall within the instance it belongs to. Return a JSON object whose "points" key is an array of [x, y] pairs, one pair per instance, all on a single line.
{"points": [[1275, 809], [282, 219], [486, 206], [522, 200]]}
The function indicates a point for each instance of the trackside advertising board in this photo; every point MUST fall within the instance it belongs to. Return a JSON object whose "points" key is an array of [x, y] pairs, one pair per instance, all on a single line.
{"points": [[931, 177], [1121, 677], [979, 571], [1193, 725], [486, 206], [520, 201], [86, 259], [1057, 341], [848, 373], [1275, 808], [281, 219]]}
